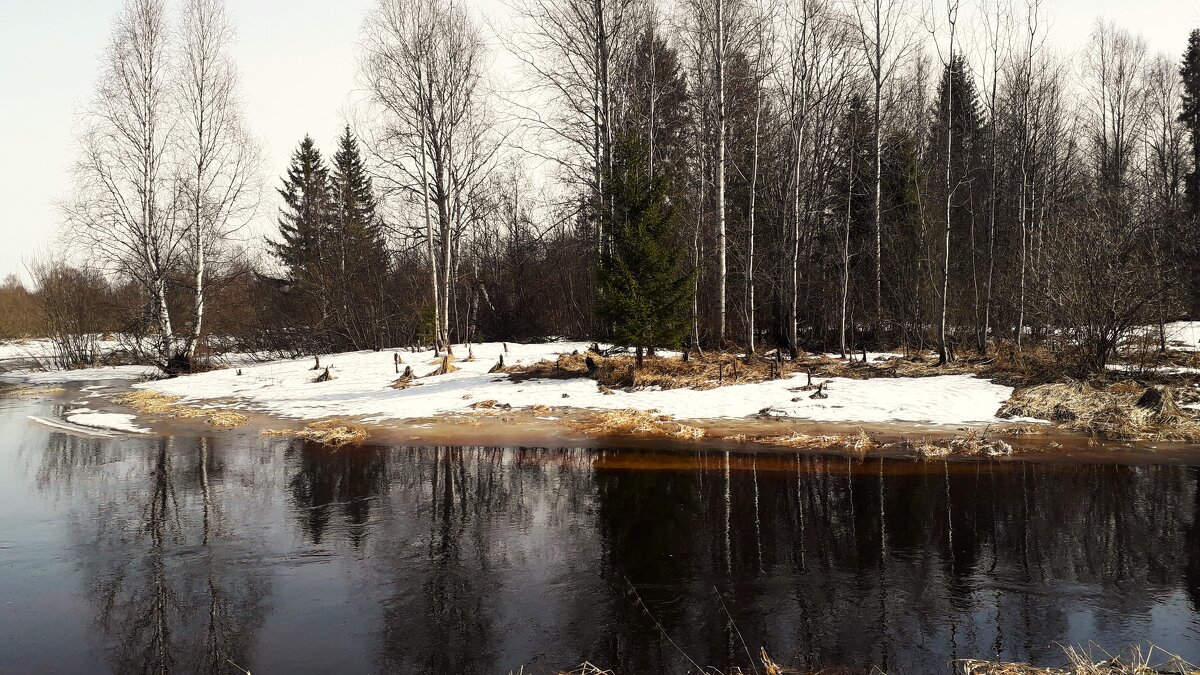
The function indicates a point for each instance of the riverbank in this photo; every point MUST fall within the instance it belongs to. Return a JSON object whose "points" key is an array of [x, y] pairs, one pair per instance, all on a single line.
{"points": [[562, 393]]}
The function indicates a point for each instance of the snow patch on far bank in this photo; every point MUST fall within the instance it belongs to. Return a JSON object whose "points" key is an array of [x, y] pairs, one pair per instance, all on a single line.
{"points": [[360, 388], [103, 374]]}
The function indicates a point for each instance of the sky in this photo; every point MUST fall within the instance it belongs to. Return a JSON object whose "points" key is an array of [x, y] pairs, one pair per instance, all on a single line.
{"points": [[297, 60]]}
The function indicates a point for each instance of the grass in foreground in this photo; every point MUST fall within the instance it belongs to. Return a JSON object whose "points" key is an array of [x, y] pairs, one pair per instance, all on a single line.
{"points": [[1090, 660]]}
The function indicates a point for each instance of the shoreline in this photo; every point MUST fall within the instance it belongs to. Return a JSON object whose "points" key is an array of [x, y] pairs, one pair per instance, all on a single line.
{"points": [[559, 428]]}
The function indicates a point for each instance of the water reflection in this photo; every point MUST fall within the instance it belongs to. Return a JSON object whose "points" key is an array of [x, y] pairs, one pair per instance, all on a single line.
{"points": [[202, 553], [160, 557]]}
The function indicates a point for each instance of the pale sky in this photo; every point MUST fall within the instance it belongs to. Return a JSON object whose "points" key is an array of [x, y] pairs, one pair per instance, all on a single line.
{"points": [[297, 61]]}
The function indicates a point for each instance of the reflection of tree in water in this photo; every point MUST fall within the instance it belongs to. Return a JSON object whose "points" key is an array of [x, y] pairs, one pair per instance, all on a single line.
{"points": [[887, 563], [336, 486], [466, 522], [168, 593]]}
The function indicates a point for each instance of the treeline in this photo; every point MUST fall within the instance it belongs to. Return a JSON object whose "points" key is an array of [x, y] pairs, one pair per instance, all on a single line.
{"points": [[824, 176]]}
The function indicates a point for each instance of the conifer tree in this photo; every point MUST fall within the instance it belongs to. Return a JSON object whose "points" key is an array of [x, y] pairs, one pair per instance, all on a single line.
{"points": [[357, 246], [1190, 116], [304, 218], [645, 296]]}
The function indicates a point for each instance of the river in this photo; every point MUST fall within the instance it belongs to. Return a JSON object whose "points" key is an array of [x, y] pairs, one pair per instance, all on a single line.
{"points": [[228, 551]]}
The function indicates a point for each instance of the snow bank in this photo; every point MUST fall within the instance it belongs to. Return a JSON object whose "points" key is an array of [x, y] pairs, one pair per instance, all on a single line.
{"points": [[99, 420], [104, 374], [360, 389]]}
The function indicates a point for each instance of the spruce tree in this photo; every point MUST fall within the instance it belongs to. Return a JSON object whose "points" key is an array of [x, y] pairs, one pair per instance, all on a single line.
{"points": [[1190, 116], [304, 217], [359, 250], [645, 296], [356, 226]]}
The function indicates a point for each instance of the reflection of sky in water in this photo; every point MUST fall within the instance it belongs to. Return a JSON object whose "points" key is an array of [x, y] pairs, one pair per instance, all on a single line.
{"points": [[138, 552]]}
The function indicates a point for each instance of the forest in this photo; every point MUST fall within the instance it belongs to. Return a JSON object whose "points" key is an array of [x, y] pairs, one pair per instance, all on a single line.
{"points": [[729, 175]]}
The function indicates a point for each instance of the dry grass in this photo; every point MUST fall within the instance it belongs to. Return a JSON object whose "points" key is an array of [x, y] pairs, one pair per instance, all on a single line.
{"points": [[1121, 411], [860, 442], [34, 391], [155, 403], [1089, 661], [227, 419], [621, 372], [446, 366], [636, 422], [971, 444], [334, 433]]}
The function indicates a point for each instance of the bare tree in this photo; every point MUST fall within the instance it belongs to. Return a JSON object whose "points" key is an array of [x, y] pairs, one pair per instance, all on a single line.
{"points": [[123, 206], [950, 61], [218, 162], [575, 50], [423, 65], [885, 45], [997, 25]]}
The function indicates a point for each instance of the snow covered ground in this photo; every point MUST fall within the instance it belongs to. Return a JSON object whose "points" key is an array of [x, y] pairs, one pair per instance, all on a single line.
{"points": [[86, 417], [360, 388], [102, 374]]}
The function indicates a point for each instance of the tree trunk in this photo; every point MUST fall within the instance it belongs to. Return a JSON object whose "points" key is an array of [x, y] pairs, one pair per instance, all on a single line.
{"points": [[433, 265], [721, 140]]}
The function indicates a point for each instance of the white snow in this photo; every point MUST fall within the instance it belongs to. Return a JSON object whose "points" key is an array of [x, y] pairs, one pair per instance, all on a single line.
{"points": [[102, 374], [98, 420], [360, 389]]}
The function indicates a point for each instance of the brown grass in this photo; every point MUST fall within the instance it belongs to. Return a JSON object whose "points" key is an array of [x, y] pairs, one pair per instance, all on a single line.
{"points": [[155, 403], [621, 372], [971, 444], [1090, 660], [860, 442], [34, 391], [636, 422], [1117, 411], [334, 433], [446, 366]]}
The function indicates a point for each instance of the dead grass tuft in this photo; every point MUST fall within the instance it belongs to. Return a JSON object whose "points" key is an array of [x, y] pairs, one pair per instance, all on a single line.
{"points": [[860, 442], [447, 366], [155, 403], [227, 419], [636, 422], [34, 391], [621, 371], [1123, 411], [1090, 660], [971, 444], [334, 433]]}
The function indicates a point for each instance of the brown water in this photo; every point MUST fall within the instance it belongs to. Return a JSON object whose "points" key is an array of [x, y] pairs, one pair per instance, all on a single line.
{"points": [[194, 554]]}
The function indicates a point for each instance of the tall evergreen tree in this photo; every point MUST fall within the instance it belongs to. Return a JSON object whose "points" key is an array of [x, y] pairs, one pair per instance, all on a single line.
{"points": [[355, 225], [304, 217], [1190, 116], [645, 296], [358, 249]]}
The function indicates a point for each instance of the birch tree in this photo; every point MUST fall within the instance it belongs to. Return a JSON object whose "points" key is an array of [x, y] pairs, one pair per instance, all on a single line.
{"points": [[424, 69], [123, 206], [885, 45], [218, 167]]}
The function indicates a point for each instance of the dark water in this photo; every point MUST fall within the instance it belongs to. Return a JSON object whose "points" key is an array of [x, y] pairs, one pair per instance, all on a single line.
{"points": [[194, 554]]}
